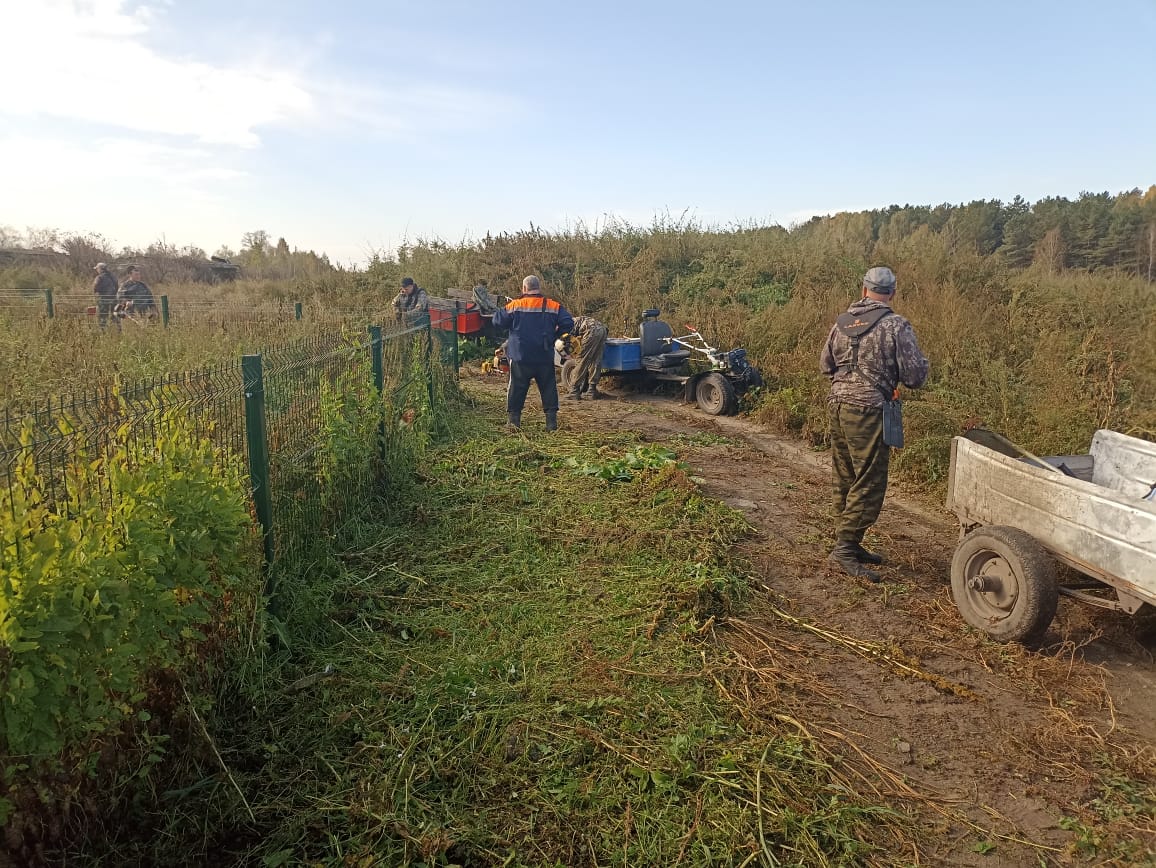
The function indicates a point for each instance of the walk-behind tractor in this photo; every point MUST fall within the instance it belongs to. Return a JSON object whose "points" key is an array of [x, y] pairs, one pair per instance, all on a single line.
{"points": [[709, 377]]}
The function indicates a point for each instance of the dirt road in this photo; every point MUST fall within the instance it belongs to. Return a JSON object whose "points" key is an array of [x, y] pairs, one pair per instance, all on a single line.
{"points": [[1013, 757]]}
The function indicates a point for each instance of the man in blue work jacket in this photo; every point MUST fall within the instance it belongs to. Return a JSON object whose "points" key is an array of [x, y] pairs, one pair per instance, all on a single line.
{"points": [[535, 322]]}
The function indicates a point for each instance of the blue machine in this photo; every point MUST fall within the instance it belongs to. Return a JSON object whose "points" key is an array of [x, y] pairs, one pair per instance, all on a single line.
{"points": [[714, 381], [622, 354]]}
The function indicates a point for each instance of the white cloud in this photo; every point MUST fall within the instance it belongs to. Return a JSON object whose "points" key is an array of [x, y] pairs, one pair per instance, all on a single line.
{"points": [[130, 191], [88, 61], [400, 107], [54, 166], [102, 130]]}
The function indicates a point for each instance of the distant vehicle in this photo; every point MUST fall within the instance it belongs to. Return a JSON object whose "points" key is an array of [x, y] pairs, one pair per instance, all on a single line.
{"points": [[223, 271]]}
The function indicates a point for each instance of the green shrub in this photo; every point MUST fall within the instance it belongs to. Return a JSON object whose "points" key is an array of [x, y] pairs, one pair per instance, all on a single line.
{"points": [[143, 573], [351, 415]]}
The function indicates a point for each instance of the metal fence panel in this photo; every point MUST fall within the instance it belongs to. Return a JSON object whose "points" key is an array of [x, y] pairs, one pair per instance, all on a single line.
{"points": [[332, 435]]}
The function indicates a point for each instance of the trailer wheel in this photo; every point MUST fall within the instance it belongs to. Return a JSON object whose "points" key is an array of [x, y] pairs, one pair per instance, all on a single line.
{"points": [[715, 395], [1004, 583], [569, 370]]}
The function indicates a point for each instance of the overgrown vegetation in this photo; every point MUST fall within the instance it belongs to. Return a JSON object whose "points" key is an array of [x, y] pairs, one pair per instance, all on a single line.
{"points": [[514, 661], [1039, 319], [132, 598], [118, 601], [515, 665]]}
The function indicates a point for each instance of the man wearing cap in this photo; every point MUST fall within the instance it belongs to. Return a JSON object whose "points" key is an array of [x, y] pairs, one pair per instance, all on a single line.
{"points": [[412, 303], [535, 322], [870, 351], [104, 288]]}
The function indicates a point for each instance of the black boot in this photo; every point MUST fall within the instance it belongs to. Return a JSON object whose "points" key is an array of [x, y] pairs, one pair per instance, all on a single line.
{"points": [[595, 395], [845, 557], [515, 423], [866, 557], [551, 420], [573, 396]]}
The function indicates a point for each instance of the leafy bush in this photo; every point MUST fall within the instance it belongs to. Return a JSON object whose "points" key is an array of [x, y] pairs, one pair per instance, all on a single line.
{"points": [[469, 351], [144, 572], [623, 469], [351, 414]]}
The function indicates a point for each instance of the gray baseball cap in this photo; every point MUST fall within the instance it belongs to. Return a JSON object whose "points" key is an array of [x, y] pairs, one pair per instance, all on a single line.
{"points": [[880, 279]]}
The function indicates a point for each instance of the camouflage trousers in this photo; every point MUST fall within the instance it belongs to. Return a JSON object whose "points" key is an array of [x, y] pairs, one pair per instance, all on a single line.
{"points": [[589, 370], [104, 306], [860, 461]]}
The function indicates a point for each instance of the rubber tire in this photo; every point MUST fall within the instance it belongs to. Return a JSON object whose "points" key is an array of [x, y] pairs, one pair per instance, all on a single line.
{"points": [[1031, 612], [566, 380], [715, 395]]}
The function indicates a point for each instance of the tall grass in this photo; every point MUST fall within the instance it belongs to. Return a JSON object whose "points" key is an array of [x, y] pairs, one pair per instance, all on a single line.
{"points": [[1044, 356], [514, 664]]}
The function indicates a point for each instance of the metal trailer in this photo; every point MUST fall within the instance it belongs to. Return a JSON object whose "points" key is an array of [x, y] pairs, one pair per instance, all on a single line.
{"points": [[656, 355], [465, 318], [1020, 514]]}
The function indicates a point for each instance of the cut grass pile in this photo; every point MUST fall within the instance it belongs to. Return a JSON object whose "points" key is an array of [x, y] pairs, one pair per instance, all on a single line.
{"points": [[515, 665], [528, 677]]}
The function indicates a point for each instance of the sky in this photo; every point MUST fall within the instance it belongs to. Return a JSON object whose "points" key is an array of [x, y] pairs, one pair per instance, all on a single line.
{"points": [[354, 126]]}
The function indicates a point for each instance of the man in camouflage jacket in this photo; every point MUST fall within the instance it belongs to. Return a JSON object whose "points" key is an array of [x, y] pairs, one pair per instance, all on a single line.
{"points": [[862, 381], [411, 304], [592, 335]]}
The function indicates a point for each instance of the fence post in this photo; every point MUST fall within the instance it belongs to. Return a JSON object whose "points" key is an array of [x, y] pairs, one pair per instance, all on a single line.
{"points": [[375, 349], [457, 312], [49, 307], [429, 358], [297, 310], [257, 441], [165, 311]]}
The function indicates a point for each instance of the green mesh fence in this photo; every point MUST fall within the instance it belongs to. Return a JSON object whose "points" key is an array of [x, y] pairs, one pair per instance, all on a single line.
{"points": [[184, 313], [59, 433], [319, 422], [318, 396]]}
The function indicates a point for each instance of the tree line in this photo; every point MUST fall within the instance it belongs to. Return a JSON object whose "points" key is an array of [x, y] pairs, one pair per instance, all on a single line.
{"points": [[40, 258], [1093, 231]]}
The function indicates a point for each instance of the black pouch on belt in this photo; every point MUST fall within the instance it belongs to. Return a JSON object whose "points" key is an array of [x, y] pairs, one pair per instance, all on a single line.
{"points": [[893, 423]]}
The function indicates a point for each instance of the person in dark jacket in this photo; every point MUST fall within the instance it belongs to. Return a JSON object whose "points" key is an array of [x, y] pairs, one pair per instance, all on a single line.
{"points": [[411, 304], [870, 351], [135, 296], [535, 322], [104, 288]]}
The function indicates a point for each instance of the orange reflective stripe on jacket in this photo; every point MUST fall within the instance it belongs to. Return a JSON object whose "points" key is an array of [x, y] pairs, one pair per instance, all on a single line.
{"points": [[533, 303]]}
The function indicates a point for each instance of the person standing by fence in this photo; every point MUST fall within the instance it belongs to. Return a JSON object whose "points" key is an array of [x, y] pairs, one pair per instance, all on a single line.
{"points": [[592, 336], [535, 322], [136, 296], [411, 303], [104, 288]]}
